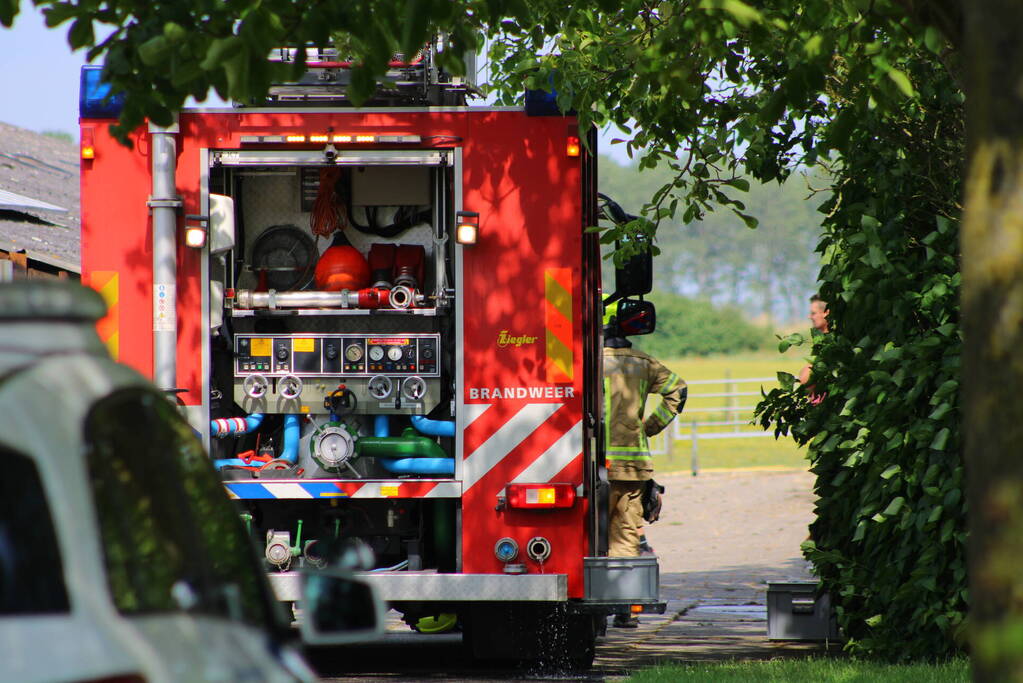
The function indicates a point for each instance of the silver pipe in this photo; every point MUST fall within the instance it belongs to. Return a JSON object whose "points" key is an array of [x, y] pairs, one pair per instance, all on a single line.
{"points": [[248, 299], [164, 204], [440, 228]]}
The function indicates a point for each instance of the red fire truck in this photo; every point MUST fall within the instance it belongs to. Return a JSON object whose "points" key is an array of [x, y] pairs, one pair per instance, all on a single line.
{"points": [[385, 324]]}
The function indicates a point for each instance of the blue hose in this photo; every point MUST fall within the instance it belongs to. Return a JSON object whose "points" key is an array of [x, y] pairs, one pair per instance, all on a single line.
{"points": [[444, 466], [292, 435], [381, 426], [432, 427], [226, 426]]}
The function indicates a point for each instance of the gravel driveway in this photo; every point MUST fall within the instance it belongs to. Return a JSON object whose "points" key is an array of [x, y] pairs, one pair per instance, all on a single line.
{"points": [[724, 518]]}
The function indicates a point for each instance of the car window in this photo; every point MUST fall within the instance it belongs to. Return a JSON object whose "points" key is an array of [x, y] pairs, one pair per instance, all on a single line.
{"points": [[171, 538], [31, 571]]}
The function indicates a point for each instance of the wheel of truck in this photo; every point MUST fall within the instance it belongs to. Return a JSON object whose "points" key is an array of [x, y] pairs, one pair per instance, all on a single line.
{"points": [[542, 637]]}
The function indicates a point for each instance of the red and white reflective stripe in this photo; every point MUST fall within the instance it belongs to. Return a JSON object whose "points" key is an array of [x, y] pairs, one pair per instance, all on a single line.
{"points": [[475, 410], [506, 438], [320, 488], [556, 458]]}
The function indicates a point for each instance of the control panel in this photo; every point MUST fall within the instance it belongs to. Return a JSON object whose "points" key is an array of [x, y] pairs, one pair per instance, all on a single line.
{"points": [[397, 374], [337, 355]]}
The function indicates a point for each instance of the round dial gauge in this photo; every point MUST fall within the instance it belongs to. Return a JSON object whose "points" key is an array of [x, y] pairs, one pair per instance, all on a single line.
{"points": [[354, 353], [394, 353], [376, 352]]}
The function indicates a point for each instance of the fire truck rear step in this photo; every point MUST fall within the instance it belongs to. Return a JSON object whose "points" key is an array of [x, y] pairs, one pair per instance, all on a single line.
{"points": [[431, 586]]}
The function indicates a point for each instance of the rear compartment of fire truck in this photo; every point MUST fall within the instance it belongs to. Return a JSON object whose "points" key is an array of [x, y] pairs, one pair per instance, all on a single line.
{"points": [[333, 364], [334, 344]]}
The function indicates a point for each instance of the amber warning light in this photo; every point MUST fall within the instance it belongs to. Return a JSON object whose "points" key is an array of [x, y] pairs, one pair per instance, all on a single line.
{"points": [[88, 146], [533, 496]]}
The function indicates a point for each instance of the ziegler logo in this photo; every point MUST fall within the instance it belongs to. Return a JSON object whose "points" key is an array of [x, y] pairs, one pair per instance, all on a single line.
{"points": [[504, 339]]}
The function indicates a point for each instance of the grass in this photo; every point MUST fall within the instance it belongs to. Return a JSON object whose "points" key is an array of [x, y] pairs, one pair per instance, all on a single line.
{"points": [[801, 670], [728, 453]]}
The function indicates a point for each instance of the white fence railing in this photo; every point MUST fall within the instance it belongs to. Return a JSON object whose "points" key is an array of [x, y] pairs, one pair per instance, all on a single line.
{"points": [[689, 427]]}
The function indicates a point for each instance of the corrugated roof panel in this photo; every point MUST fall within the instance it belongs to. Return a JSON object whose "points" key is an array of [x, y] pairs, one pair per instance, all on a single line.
{"points": [[11, 200]]}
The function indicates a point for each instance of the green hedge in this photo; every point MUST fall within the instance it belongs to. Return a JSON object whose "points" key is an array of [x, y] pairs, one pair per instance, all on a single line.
{"points": [[688, 327], [889, 537]]}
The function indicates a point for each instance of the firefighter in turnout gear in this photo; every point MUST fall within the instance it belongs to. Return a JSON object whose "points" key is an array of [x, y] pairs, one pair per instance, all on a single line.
{"points": [[629, 376]]}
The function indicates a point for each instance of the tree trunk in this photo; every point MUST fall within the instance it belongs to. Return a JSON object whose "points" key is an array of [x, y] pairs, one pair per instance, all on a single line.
{"points": [[992, 299]]}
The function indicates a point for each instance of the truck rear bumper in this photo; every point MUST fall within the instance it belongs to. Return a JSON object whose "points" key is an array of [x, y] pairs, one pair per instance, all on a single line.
{"points": [[433, 587]]}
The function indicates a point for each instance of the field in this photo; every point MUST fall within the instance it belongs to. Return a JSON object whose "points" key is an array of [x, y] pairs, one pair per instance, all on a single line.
{"points": [[676, 454]]}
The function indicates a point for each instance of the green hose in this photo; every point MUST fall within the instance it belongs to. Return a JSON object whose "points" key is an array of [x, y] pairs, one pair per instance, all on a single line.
{"points": [[408, 445]]}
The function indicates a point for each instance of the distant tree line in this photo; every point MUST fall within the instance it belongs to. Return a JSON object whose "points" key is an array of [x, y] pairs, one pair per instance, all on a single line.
{"points": [[689, 327], [766, 273]]}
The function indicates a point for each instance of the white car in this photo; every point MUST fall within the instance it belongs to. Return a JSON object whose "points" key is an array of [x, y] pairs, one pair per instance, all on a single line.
{"points": [[121, 558]]}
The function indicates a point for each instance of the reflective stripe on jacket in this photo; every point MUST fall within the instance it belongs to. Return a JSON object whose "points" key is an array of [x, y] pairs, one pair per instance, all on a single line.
{"points": [[629, 376]]}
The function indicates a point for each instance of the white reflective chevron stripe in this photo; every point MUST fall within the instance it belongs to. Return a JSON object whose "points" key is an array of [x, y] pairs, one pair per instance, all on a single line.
{"points": [[554, 459], [504, 440], [285, 490], [445, 489], [372, 490], [474, 410]]}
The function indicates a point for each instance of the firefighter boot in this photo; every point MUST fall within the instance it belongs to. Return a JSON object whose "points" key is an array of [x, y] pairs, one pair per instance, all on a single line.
{"points": [[625, 621]]}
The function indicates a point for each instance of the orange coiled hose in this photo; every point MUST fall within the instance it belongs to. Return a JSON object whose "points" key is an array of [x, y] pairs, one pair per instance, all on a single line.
{"points": [[329, 213]]}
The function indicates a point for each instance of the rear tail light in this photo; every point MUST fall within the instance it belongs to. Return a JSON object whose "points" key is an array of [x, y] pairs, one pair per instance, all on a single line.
{"points": [[541, 496], [572, 147]]}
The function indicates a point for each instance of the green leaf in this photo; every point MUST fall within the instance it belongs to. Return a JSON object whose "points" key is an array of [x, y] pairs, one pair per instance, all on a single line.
{"points": [[940, 439], [58, 14], [891, 471], [173, 32], [894, 506], [154, 51], [940, 412], [80, 34], [901, 81], [742, 12], [221, 50], [750, 221], [8, 10], [812, 47], [414, 24]]}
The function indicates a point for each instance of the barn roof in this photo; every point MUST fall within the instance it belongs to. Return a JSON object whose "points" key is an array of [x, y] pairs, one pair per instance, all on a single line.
{"points": [[39, 210]]}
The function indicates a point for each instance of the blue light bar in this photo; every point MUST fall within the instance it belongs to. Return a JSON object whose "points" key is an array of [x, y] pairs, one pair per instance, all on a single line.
{"points": [[542, 103], [94, 98]]}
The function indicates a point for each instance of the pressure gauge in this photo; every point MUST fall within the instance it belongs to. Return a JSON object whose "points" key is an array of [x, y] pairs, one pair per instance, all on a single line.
{"points": [[376, 353], [394, 353], [354, 353]]}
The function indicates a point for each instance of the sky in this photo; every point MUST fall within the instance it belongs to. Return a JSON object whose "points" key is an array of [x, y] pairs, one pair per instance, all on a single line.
{"points": [[39, 75], [39, 79]]}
